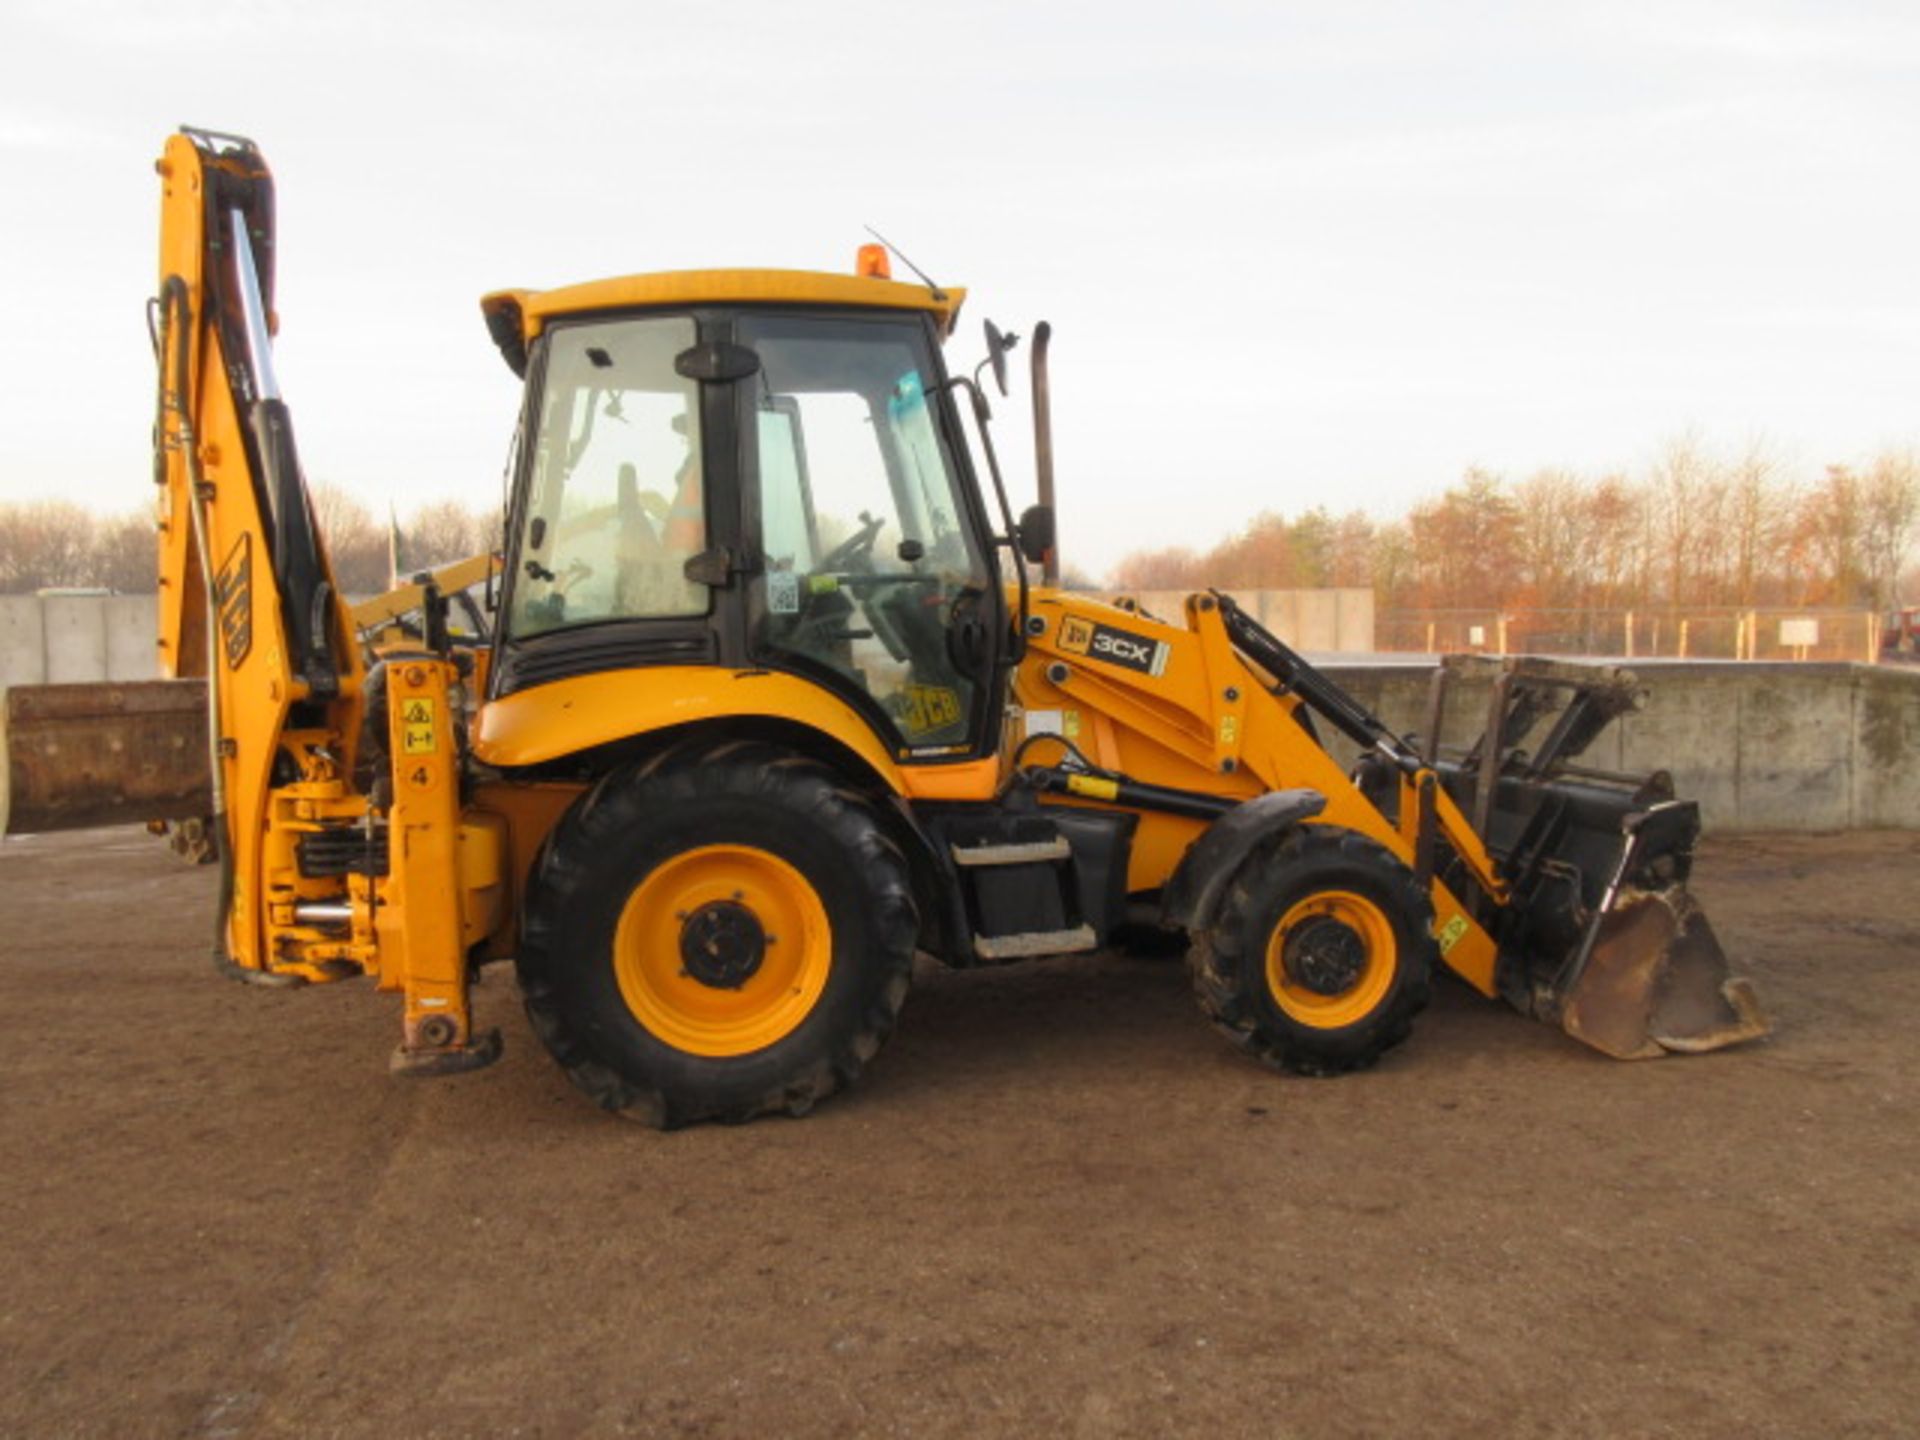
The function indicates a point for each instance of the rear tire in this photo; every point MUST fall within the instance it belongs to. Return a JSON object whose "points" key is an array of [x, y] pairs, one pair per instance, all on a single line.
{"points": [[719, 933], [1320, 955]]}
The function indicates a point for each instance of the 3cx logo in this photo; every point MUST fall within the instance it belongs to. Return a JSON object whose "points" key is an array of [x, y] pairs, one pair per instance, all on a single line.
{"points": [[1125, 649], [1115, 647]]}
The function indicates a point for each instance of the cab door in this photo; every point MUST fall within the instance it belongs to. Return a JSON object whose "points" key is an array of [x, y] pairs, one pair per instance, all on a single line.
{"points": [[872, 578]]}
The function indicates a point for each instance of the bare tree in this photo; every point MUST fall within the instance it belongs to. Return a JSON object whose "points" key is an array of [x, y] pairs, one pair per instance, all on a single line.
{"points": [[1890, 517], [1170, 569], [1612, 527], [1548, 537], [1314, 538], [444, 532], [1391, 563], [45, 543], [1679, 487], [1465, 545], [356, 546], [1759, 502], [1697, 531], [1833, 522], [126, 553], [1353, 549]]}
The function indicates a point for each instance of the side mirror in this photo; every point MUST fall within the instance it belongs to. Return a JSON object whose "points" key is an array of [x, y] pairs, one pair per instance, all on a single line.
{"points": [[998, 346], [1035, 532]]}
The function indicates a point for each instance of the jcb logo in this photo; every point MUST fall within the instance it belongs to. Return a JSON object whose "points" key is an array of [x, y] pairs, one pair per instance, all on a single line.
{"points": [[233, 594], [929, 708]]}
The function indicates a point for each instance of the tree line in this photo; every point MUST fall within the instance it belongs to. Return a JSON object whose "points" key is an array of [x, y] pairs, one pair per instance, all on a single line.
{"points": [[1696, 529], [56, 544]]}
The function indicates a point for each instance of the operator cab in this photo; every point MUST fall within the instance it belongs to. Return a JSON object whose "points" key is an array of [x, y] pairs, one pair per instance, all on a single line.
{"points": [[771, 486]]}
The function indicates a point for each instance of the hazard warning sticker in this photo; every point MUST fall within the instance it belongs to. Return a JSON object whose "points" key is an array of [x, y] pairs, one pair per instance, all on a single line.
{"points": [[417, 727]]}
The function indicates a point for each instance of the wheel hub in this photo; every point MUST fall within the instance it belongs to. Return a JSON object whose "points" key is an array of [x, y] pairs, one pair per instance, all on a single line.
{"points": [[722, 944], [1325, 956]]}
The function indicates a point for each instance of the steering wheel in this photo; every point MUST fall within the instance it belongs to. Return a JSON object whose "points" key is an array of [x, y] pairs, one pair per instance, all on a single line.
{"points": [[853, 558], [857, 545]]}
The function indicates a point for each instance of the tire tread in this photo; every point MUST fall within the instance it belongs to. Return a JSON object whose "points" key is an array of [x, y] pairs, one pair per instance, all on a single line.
{"points": [[1237, 1006], [624, 800]]}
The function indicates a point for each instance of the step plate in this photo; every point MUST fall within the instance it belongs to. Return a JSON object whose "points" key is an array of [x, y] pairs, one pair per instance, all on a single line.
{"points": [[1035, 942], [1038, 852]]}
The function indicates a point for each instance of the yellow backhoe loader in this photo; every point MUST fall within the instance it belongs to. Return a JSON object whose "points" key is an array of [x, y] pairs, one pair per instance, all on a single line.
{"points": [[771, 703]]}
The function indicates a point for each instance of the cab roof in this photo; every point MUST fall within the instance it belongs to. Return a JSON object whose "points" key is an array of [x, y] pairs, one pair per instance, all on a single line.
{"points": [[516, 317]]}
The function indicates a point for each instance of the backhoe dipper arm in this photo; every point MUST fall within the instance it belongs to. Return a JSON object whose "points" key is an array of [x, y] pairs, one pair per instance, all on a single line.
{"points": [[246, 595]]}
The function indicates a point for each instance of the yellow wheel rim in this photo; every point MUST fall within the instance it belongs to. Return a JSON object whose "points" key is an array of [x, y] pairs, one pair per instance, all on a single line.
{"points": [[1331, 959], [722, 950]]}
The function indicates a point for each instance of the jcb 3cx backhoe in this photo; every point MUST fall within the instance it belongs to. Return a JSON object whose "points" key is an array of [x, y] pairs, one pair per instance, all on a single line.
{"points": [[771, 705]]}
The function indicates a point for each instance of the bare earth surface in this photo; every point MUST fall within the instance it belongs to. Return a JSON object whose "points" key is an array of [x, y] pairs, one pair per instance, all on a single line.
{"points": [[1059, 1205]]}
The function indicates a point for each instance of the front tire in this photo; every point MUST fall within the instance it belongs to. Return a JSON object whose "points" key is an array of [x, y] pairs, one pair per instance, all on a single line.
{"points": [[1320, 955], [716, 934]]}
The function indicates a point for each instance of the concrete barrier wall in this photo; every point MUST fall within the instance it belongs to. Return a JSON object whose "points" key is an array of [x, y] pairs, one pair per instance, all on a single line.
{"points": [[1761, 746], [73, 639]]}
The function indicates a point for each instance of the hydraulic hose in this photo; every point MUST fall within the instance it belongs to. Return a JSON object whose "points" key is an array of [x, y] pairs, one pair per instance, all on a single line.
{"points": [[1327, 699]]}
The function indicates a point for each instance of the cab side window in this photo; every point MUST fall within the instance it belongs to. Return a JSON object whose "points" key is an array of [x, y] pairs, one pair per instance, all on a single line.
{"points": [[617, 503]]}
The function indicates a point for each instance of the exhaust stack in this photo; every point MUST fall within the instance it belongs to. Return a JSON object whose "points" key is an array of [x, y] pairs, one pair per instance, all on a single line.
{"points": [[1043, 444]]}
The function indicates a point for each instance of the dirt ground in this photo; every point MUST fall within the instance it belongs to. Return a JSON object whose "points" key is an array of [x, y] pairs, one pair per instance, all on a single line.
{"points": [[1057, 1205]]}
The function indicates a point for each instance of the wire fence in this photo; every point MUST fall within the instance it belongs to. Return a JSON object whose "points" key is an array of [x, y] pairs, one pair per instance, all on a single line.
{"points": [[1701, 634]]}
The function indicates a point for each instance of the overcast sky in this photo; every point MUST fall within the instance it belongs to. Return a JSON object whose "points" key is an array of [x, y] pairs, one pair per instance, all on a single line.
{"points": [[1293, 254]]}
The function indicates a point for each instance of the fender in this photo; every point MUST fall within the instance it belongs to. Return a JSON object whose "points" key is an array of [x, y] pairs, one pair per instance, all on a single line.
{"points": [[1193, 893], [566, 716]]}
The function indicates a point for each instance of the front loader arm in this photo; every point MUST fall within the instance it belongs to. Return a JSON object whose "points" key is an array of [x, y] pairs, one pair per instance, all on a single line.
{"points": [[1186, 707], [1565, 889]]}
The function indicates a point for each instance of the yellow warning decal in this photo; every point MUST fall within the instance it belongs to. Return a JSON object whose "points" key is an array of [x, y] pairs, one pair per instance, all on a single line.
{"points": [[1451, 933], [1229, 729], [1075, 635], [417, 727]]}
